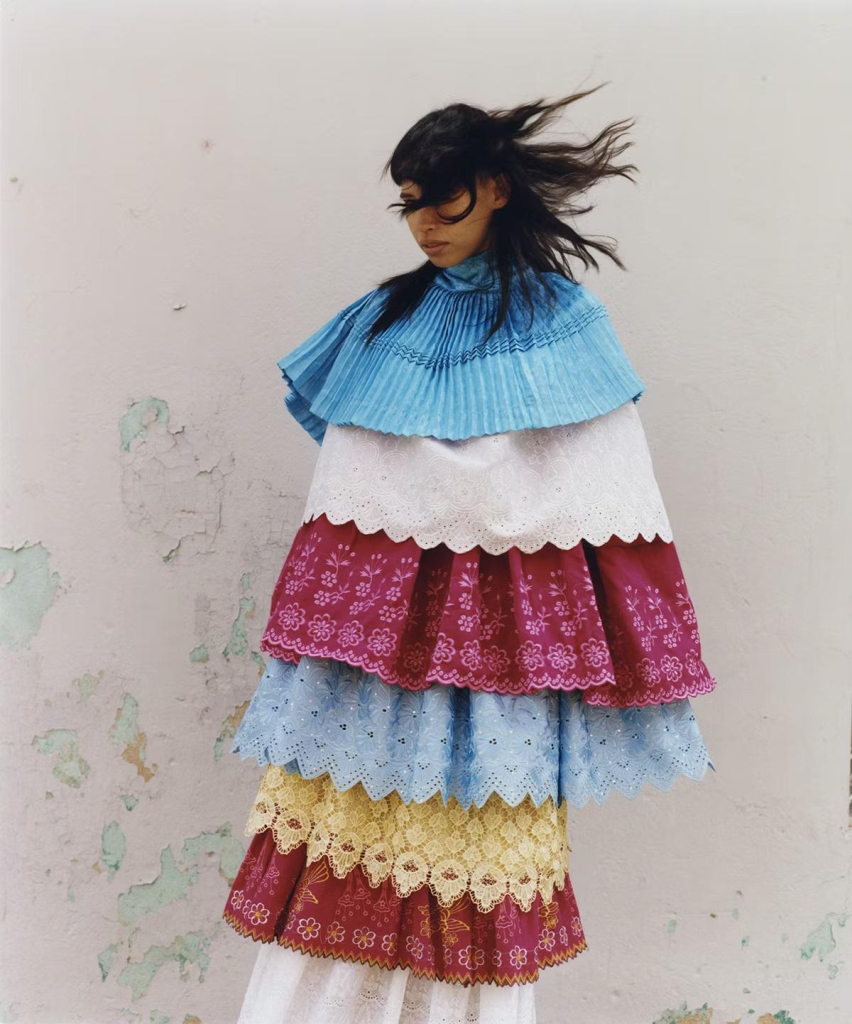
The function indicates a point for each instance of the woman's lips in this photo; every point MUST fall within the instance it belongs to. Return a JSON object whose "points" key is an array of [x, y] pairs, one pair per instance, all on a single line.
{"points": [[434, 246]]}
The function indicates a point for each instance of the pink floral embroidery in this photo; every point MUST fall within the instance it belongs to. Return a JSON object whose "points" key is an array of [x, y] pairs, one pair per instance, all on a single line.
{"points": [[615, 621]]}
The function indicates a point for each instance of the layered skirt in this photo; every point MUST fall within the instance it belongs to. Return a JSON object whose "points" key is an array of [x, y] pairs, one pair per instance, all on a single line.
{"points": [[466, 639]]}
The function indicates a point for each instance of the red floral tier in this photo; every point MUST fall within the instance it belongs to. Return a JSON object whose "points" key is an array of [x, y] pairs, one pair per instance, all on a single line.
{"points": [[615, 621], [279, 898]]}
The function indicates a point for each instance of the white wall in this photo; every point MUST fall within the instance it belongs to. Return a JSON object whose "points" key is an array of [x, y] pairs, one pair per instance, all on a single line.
{"points": [[189, 189]]}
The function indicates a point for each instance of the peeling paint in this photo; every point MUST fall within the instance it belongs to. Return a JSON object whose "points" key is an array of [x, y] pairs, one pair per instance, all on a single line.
{"points": [[229, 728], [129, 800], [184, 950], [171, 486], [199, 653], [106, 958], [70, 767], [87, 685], [821, 940], [157, 1017], [27, 590], [245, 581], [10, 1013], [238, 643], [170, 885], [259, 660], [744, 941], [70, 895], [221, 844], [113, 847], [670, 927], [192, 1019], [702, 1015], [125, 731]]}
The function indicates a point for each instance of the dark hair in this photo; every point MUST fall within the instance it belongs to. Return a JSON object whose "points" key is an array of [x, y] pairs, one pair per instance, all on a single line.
{"points": [[449, 148]]}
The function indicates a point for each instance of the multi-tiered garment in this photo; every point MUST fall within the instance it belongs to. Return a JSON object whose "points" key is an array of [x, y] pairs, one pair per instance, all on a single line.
{"points": [[482, 619]]}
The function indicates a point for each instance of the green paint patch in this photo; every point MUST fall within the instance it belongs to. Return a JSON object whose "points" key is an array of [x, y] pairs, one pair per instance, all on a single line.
{"points": [[125, 733], [170, 885], [221, 844], [113, 847], [200, 653], [184, 950], [683, 1015], [245, 581], [832, 971], [70, 895], [27, 590], [106, 958], [87, 685], [744, 941], [229, 729], [259, 660], [9, 1013], [670, 927], [129, 801], [735, 914], [134, 423], [157, 1017], [821, 940], [238, 644], [70, 767]]}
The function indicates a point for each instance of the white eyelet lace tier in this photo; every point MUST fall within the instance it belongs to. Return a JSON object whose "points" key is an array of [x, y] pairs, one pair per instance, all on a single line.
{"points": [[287, 987], [523, 488]]}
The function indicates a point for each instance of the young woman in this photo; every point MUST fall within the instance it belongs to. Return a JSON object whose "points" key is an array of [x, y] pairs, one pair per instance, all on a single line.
{"points": [[482, 618]]}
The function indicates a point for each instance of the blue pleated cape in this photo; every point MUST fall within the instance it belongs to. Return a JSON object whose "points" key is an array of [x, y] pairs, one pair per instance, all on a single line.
{"points": [[435, 375]]}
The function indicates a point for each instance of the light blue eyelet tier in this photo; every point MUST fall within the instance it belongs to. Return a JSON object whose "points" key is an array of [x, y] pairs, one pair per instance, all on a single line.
{"points": [[324, 716], [435, 375]]}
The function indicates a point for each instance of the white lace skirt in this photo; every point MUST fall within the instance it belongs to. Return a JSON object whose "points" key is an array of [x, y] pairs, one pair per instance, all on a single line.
{"points": [[288, 987]]}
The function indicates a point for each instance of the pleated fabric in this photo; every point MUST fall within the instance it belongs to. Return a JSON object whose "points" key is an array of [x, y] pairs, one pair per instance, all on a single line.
{"points": [[481, 621]]}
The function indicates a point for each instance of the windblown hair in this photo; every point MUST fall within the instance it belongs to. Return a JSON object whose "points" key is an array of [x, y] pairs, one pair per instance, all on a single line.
{"points": [[451, 148]]}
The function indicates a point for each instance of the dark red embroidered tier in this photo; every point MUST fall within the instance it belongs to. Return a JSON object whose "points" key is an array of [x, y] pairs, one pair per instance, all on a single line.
{"points": [[615, 621], [278, 898]]}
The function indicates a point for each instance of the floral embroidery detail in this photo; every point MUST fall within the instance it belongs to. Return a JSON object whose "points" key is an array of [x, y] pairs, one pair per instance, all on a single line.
{"points": [[414, 946], [257, 913], [308, 928], [517, 956], [363, 937], [613, 621], [389, 942], [470, 957], [335, 932]]}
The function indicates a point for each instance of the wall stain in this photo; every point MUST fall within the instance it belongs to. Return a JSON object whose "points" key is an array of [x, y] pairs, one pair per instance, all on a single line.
{"points": [[238, 643], [184, 950], [106, 958], [70, 767], [129, 800], [86, 685], [821, 940], [229, 728], [199, 654], [170, 885], [125, 731], [221, 844], [27, 590], [113, 847]]}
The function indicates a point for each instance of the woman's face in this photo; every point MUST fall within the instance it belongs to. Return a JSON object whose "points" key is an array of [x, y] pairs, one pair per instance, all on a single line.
{"points": [[466, 237]]}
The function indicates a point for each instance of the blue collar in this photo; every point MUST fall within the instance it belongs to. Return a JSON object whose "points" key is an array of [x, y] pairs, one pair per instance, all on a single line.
{"points": [[473, 273]]}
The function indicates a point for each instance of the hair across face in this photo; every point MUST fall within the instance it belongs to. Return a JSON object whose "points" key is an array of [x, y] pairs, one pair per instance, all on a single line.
{"points": [[462, 223], [478, 179]]}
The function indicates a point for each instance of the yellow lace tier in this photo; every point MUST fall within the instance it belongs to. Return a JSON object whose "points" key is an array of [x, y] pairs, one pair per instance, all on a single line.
{"points": [[489, 851]]}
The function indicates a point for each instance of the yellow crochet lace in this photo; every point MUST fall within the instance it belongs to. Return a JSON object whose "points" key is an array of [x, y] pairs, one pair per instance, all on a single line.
{"points": [[488, 851]]}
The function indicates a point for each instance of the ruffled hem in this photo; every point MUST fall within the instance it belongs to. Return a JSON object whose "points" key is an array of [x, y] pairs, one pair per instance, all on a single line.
{"points": [[616, 620], [427, 376], [289, 987], [276, 897], [322, 717]]}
